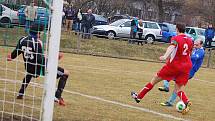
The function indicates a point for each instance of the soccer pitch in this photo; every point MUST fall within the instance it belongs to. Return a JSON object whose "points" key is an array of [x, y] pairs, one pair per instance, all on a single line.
{"points": [[98, 89]]}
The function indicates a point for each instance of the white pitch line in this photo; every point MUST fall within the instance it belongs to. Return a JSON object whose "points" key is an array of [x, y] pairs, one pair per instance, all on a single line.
{"points": [[127, 106], [108, 101]]}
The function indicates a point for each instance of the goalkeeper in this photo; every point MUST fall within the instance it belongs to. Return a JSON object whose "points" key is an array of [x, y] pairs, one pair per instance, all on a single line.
{"points": [[35, 61]]}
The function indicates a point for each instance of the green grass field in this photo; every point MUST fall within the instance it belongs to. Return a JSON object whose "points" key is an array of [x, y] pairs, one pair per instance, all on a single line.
{"points": [[108, 79], [98, 88], [113, 79]]}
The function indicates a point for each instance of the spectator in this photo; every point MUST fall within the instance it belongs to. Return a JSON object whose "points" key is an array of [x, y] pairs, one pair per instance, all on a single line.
{"points": [[140, 31], [31, 15], [1, 10], [134, 25], [209, 35], [88, 21], [78, 20], [64, 17], [70, 16]]}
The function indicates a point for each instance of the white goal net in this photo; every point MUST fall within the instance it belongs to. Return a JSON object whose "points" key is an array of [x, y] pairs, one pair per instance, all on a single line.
{"points": [[24, 57]]}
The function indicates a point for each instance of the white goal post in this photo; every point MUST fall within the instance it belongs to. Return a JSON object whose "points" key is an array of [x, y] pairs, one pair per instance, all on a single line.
{"points": [[53, 50]]}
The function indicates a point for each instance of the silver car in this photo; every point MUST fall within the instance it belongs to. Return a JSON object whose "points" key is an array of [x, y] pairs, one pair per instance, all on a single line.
{"points": [[122, 28], [8, 15]]}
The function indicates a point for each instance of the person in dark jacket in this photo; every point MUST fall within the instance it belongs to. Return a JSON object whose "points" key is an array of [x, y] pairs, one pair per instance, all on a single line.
{"points": [[88, 21], [134, 26], [209, 35], [70, 16], [64, 17]]}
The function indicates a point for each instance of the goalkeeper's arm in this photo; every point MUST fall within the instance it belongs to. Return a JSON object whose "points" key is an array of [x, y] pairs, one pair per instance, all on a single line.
{"points": [[16, 52]]}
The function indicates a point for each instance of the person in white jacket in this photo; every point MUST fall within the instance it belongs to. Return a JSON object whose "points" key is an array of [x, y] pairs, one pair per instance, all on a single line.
{"points": [[140, 31]]}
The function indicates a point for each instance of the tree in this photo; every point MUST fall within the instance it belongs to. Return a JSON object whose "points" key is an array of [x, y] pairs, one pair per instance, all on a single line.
{"points": [[160, 10], [205, 9]]}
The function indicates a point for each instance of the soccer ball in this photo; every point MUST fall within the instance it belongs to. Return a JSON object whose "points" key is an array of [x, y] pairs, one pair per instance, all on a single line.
{"points": [[180, 106]]}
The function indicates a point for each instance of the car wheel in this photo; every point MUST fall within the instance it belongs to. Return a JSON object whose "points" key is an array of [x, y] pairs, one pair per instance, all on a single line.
{"points": [[150, 39], [111, 35], [5, 22]]}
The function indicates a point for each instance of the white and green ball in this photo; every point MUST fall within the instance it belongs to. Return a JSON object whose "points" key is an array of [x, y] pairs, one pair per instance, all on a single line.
{"points": [[180, 106]]}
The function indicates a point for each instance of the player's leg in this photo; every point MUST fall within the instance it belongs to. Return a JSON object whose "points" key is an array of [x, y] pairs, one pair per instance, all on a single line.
{"points": [[180, 82], [165, 73], [63, 75], [25, 83], [165, 86], [146, 89], [183, 97], [174, 94], [171, 100]]}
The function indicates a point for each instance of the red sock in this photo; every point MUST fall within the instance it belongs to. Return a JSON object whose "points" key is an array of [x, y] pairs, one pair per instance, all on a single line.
{"points": [[146, 89], [183, 97]]}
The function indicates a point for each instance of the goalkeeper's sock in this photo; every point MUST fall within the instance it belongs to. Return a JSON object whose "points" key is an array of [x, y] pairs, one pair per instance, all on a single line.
{"points": [[183, 97], [61, 85], [146, 89]]}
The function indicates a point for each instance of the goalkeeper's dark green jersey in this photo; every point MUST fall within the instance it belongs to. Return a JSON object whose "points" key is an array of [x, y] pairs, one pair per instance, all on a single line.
{"points": [[31, 50]]}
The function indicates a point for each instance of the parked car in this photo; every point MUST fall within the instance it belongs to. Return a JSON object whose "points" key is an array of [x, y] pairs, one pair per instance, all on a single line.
{"points": [[117, 17], [8, 16], [43, 15], [168, 31], [12, 6], [122, 28], [99, 20], [196, 32]]}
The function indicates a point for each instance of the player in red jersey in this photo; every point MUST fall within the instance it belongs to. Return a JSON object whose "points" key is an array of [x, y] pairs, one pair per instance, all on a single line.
{"points": [[177, 67]]}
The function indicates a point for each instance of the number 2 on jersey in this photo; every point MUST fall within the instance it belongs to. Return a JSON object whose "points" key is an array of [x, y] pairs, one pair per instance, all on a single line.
{"points": [[185, 49]]}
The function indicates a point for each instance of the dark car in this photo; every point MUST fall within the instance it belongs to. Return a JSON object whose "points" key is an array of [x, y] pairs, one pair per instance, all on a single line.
{"points": [[99, 20], [43, 15], [118, 17], [168, 31]]}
